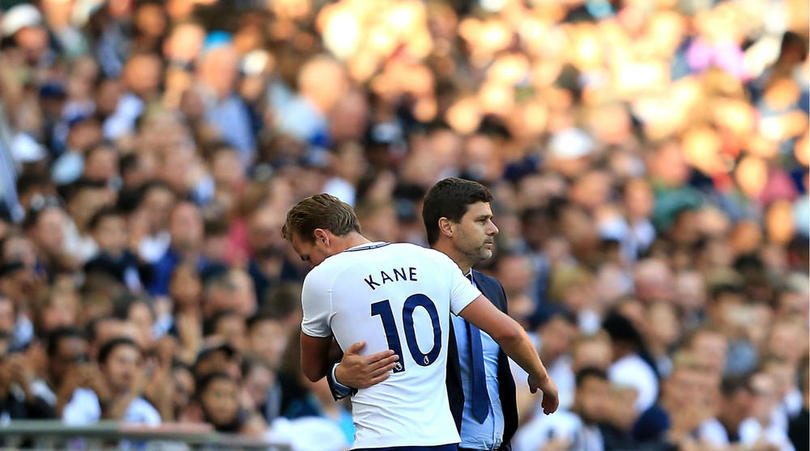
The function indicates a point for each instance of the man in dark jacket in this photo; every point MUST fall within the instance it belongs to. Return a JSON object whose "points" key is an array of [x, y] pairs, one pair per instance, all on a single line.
{"points": [[480, 388]]}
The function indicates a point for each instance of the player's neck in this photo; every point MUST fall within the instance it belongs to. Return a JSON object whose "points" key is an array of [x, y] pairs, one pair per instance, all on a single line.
{"points": [[457, 257], [351, 240]]}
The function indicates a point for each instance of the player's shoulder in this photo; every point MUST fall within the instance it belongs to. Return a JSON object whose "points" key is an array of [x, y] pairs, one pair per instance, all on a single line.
{"points": [[425, 253], [323, 273]]}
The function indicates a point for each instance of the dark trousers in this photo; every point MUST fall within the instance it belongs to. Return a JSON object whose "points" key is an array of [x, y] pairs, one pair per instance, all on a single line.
{"points": [[450, 447]]}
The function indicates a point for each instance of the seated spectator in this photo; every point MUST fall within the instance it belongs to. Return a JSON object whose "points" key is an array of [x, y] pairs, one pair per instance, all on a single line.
{"points": [[109, 229], [113, 389], [218, 397]]}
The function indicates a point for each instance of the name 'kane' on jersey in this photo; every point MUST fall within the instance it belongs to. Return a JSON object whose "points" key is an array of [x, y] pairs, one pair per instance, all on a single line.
{"points": [[392, 296]]}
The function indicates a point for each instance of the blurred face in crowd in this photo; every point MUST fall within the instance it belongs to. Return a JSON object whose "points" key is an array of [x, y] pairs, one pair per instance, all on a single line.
{"points": [[69, 351], [220, 401], [787, 340], [227, 170], [592, 399], [48, 233], [783, 375], [111, 234], [142, 317], [710, 348], [33, 41], [263, 228], [244, 296], [690, 290], [736, 406], [514, 273], [621, 407], [322, 81], [183, 387], [665, 319], [186, 227], [257, 382], [86, 202], [7, 317], [638, 199], [654, 281], [61, 309], [142, 73], [122, 367], [595, 353], [101, 163], [349, 118], [268, 340], [185, 287], [232, 329], [156, 206], [679, 385], [766, 397], [556, 337], [184, 42], [217, 69]]}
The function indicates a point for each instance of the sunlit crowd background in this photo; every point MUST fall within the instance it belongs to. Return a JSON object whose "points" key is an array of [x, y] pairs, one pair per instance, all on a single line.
{"points": [[648, 158]]}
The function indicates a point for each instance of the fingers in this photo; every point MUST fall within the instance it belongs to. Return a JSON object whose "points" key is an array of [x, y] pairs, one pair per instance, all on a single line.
{"points": [[376, 380], [388, 362], [356, 348], [373, 358]]}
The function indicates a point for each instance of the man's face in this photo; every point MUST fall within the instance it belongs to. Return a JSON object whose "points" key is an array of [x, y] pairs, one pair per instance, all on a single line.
{"points": [[220, 401], [111, 234], [475, 233], [268, 340], [557, 337], [7, 319], [311, 252], [186, 226], [70, 350], [592, 399], [49, 233], [121, 367]]}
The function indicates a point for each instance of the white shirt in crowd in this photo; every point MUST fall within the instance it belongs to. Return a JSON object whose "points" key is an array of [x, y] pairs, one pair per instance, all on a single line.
{"points": [[632, 371], [84, 408]]}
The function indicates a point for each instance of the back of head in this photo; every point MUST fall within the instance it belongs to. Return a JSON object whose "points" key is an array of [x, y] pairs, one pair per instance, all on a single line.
{"points": [[449, 198], [321, 211]]}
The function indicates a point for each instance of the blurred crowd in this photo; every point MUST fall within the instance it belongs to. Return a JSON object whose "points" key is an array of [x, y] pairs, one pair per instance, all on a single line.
{"points": [[648, 160]]}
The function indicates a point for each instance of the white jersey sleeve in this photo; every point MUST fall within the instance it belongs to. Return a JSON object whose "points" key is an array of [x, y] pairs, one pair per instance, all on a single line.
{"points": [[316, 302], [462, 291]]}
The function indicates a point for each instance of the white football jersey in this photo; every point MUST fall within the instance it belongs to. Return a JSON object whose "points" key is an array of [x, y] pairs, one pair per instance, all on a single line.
{"points": [[392, 296]]}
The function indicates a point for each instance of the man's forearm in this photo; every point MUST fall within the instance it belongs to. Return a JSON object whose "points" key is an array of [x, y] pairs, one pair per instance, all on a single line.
{"points": [[519, 348]]}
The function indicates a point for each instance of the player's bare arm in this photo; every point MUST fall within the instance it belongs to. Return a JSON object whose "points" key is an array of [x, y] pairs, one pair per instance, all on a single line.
{"points": [[315, 356], [513, 340]]}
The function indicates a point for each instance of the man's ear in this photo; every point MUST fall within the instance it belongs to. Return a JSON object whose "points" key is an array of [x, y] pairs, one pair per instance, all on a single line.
{"points": [[446, 227], [321, 236]]}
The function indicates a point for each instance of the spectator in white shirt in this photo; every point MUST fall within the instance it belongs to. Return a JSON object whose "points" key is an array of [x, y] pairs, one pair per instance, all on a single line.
{"points": [[118, 395]]}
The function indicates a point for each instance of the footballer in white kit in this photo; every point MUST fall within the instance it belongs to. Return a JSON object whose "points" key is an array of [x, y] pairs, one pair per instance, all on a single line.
{"points": [[398, 297]]}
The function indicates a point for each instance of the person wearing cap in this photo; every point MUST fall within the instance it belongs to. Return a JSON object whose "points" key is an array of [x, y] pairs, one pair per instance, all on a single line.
{"points": [[22, 25]]}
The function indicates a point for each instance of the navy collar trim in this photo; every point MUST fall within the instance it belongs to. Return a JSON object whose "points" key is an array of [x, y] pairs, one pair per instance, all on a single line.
{"points": [[369, 247]]}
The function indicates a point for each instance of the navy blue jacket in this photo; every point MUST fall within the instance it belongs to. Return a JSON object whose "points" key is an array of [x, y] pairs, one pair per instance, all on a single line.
{"points": [[493, 290]]}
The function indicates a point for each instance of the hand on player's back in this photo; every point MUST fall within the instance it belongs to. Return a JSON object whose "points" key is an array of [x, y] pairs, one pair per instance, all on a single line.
{"points": [[358, 371], [550, 397]]}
